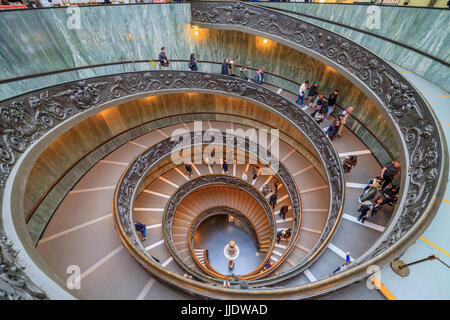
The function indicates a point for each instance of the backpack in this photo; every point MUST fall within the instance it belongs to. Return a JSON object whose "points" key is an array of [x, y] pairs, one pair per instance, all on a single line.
{"points": [[369, 195]]}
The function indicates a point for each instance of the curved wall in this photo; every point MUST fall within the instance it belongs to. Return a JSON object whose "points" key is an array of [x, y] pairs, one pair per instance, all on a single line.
{"points": [[422, 28], [108, 33]]}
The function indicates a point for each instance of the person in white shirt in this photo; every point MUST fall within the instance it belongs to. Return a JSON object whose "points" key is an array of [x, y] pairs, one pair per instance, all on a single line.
{"points": [[302, 92]]}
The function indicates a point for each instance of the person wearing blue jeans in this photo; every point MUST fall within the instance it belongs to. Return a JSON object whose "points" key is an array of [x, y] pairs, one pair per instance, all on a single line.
{"points": [[302, 92], [141, 228]]}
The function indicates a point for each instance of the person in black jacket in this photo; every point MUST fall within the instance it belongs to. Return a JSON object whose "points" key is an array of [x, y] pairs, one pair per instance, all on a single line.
{"points": [[193, 63], [141, 228], [312, 93], [225, 166], [163, 61], [225, 67], [273, 200], [188, 168], [243, 73], [283, 212], [258, 77]]}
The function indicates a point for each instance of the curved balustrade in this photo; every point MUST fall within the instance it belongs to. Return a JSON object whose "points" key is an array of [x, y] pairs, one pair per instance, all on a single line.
{"points": [[27, 119], [144, 165], [381, 152], [407, 113]]}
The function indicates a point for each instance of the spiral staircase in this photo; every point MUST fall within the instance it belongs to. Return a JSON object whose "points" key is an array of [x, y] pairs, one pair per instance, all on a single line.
{"points": [[131, 176]]}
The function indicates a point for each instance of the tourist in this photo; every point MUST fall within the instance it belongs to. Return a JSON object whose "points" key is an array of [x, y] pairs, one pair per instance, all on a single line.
{"points": [[371, 190], [141, 228], [226, 283], [268, 265], [317, 104], [163, 61], [369, 207], [225, 167], [332, 129], [349, 163], [258, 77], [343, 117], [225, 66], [391, 195], [273, 200], [255, 173], [231, 264], [193, 63], [390, 172], [243, 73], [233, 67], [262, 74], [332, 102], [188, 168], [288, 233], [280, 235], [265, 189], [301, 92], [244, 176], [319, 116], [283, 212], [312, 93], [378, 203], [275, 186]]}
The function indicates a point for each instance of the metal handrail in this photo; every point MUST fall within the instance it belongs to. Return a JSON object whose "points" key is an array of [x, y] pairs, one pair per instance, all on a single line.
{"points": [[373, 34], [124, 62]]}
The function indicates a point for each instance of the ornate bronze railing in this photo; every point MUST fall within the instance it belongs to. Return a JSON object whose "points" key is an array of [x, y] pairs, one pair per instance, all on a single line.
{"points": [[406, 111], [28, 118]]}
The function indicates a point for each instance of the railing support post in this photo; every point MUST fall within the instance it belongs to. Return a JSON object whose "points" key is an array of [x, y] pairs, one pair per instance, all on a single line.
{"points": [[402, 269]]}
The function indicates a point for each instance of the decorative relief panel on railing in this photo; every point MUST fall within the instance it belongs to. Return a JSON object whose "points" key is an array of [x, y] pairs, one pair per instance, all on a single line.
{"points": [[406, 108], [14, 284], [25, 119]]}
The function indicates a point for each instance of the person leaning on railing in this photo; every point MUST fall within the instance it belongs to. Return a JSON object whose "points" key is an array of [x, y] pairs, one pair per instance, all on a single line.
{"points": [[243, 73], [312, 93], [192, 63], [163, 60]]}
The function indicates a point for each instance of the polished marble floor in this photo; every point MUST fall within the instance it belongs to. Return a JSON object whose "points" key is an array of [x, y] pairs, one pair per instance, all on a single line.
{"points": [[215, 233]]}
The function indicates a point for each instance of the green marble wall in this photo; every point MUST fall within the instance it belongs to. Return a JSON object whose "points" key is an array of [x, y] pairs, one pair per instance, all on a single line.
{"points": [[420, 28], [38, 40]]}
